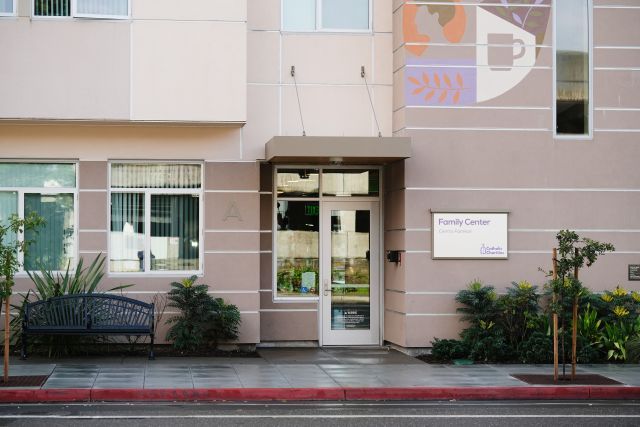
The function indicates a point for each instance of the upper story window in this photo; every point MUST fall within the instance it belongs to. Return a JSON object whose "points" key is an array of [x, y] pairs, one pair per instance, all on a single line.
{"points": [[49, 190], [155, 217], [326, 15], [114, 9], [7, 7], [573, 67]]}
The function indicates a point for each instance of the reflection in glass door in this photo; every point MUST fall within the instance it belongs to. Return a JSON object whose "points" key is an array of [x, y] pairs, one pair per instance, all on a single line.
{"points": [[350, 291]]}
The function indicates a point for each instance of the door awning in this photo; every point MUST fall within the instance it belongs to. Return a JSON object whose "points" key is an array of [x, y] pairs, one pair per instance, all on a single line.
{"points": [[352, 150]]}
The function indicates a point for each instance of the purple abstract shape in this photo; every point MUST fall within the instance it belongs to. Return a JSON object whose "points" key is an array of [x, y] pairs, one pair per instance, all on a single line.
{"points": [[517, 18]]}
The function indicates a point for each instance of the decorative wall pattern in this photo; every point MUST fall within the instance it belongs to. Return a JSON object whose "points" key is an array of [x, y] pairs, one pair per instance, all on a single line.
{"points": [[466, 54]]}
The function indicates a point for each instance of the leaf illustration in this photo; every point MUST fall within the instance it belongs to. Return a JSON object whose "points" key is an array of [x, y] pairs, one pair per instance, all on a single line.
{"points": [[459, 80], [517, 18], [425, 78], [429, 95], [443, 96], [456, 97], [436, 79], [418, 91], [446, 79], [414, 81]]}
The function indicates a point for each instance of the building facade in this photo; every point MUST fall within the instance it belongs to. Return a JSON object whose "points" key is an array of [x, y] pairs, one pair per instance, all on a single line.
{"points": [[310, 160]]}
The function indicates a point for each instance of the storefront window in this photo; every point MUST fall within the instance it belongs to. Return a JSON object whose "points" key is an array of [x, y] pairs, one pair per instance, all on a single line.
{"points": [[297, 248], [350, 182], [298, 182]]}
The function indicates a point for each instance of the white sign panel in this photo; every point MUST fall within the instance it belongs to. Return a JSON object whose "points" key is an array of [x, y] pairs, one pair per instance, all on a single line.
{"points": [[469, 235]]}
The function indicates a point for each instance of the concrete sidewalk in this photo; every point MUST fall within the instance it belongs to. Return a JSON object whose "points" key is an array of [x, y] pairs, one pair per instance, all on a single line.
{"points": [[299, 374]]}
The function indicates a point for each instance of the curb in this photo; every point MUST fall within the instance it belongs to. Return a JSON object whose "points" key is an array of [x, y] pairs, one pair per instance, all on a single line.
{"points": [[320, 394]]}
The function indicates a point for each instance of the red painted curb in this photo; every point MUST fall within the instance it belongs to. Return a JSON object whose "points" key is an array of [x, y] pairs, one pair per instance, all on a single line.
{"points": [[467, 393], [18, 395], [63, 395], [334, 394], [46, 395], [614, 392]]}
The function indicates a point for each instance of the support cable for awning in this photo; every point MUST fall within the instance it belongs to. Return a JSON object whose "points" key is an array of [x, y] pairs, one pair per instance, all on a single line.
{"points": [[293, 74], [375, 117]]}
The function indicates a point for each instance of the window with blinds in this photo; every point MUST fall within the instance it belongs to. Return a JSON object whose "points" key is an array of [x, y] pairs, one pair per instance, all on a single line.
{"points": [[49, 190], [114, 9], [155, 217]]}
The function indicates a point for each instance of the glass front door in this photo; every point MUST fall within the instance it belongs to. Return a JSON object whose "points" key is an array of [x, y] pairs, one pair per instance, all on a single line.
{"points": [[350, 282]]}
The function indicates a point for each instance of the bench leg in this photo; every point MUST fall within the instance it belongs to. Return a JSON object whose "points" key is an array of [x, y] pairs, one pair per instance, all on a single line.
{"points": [[23, 353], [152, 356]]}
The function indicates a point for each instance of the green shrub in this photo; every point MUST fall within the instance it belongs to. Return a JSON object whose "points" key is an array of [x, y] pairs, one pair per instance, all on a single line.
{"points": [[538, 348], [518, 312], [225, 320], [203, 320], [633, 350], [447, 350]]}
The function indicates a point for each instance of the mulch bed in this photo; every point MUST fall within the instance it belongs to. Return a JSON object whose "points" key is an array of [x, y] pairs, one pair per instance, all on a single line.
{"points": [[25, 381], [581, 379]]}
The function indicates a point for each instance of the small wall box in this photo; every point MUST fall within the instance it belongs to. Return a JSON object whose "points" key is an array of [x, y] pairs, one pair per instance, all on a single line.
{"points": [[393, 256]]}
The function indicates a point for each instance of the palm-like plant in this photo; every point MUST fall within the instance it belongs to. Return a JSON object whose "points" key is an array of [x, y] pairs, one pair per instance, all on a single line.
{"points": [[478, 303], [201, 319]]}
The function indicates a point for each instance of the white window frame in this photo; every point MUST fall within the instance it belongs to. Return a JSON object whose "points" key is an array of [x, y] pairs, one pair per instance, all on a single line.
{"points": [[73, 13], [565, 136], [47, 191], [320, 29], [15, 11], [147, 221], [320, 199]]}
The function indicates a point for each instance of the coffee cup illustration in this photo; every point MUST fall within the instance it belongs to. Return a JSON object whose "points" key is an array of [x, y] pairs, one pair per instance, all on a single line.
{"points": [[503, 50]]}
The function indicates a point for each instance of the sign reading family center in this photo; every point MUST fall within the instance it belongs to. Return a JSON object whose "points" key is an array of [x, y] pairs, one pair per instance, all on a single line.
{"points": [[471, 235]]}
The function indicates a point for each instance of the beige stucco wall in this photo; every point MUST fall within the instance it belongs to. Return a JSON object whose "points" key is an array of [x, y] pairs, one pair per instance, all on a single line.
{"points": [[502, 154], [186, 64]]}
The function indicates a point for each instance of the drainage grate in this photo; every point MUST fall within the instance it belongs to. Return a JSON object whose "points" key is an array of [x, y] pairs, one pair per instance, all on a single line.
{"points": [[581, 379], [25, 381]]}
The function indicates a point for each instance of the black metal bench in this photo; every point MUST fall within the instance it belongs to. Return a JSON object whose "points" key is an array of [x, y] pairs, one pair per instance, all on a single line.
{"points": [[88, 314]]}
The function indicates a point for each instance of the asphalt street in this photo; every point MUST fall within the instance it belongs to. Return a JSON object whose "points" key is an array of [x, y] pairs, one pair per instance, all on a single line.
{"points": [[522, 414]]}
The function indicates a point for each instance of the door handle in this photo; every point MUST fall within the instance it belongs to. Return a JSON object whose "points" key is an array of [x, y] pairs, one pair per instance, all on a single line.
{"points": [[327, 288]]}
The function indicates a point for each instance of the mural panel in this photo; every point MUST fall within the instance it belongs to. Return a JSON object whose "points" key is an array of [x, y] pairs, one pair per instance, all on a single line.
{"points": [[466, 54]]}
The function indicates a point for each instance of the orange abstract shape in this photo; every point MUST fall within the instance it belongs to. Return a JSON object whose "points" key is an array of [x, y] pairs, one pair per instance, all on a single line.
{"points": [[429, 95], [425, 78], [418, 90], [446, 79], [436, 79], [456, 97], [410, 30], [459, 80], [443, 96], [454, 29], [414, 81]]}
